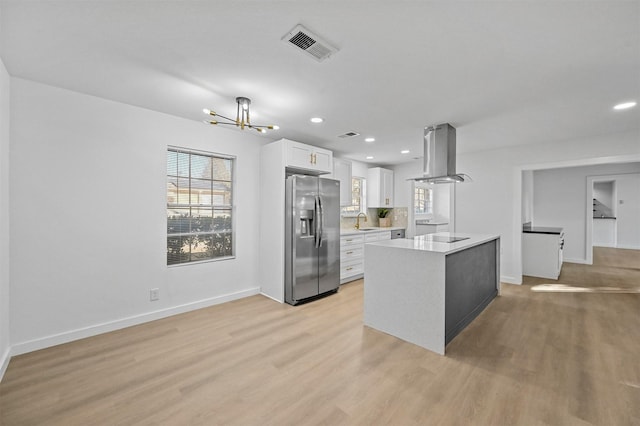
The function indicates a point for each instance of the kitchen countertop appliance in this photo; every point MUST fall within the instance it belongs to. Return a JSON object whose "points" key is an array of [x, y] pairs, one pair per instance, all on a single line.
{"points": [[312, 238]]}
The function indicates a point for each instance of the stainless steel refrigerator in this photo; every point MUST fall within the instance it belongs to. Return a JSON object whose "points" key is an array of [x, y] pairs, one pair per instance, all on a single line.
{"points": [[312, 235]]}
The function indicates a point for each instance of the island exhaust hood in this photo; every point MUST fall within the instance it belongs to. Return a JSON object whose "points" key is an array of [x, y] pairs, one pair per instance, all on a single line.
{"points": [[440, 156]]}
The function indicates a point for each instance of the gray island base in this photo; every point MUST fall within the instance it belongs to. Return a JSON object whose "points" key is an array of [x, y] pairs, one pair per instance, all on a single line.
{"points": [[426, 292]]}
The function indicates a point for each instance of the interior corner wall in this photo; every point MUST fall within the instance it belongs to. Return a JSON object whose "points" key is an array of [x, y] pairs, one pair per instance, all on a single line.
{"points": [[5, 340], [88, 210], [491, 204], [561, 201]]}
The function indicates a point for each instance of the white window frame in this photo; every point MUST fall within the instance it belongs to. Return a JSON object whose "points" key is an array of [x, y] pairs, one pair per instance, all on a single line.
{"points": [[210, 204], [362, 208], [427, 201]]}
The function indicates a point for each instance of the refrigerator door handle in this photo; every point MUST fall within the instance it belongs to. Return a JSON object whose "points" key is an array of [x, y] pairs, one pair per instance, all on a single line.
{"points": [[318, 229], [321, 221]]}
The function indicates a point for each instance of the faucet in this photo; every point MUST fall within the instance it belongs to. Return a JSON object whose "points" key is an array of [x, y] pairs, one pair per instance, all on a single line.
{"points": [[358, 219]]}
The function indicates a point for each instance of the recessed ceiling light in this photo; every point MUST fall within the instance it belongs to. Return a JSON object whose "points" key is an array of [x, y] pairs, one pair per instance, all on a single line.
{"points": [[317, 120], [369, 139], [405, 151], [369, 157], [625, 105]]}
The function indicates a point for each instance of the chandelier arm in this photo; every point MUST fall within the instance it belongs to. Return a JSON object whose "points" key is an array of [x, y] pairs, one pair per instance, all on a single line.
{"points": [[226, 118]]}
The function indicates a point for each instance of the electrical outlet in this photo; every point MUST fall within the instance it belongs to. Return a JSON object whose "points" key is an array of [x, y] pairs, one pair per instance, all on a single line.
{"points": [[154, 294]]}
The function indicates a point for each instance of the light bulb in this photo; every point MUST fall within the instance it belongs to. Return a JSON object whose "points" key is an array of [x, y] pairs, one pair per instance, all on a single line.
{"points": [[625, 105]]}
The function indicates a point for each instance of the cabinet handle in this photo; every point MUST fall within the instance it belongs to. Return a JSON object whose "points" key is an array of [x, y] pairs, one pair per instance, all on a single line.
{"points": [[348, 241], [348, 269], [349, 252]]}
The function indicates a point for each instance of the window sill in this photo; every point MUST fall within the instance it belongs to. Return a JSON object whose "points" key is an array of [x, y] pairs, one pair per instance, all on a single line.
{"points": [[199, 262]]}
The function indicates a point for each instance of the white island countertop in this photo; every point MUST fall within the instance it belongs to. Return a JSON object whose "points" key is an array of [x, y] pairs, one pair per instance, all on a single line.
{"points": [[426, 242]]}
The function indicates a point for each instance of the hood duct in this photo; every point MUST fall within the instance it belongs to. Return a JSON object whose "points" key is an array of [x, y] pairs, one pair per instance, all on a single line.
{"points": [[440, 156]]}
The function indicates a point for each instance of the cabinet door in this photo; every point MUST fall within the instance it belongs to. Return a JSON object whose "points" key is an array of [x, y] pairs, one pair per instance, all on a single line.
{"points": [[387, 187], [302, 156], [322, 160], [342, 172], [299, 155], [380, 187]]}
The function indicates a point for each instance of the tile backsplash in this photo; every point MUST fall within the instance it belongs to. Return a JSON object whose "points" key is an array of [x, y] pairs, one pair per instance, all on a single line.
{"points": [[398, 216]]}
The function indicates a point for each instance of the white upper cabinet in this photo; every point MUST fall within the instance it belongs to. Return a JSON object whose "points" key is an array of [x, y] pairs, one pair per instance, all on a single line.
{"points": [[342, 172], [310, 158], [379, 188]]}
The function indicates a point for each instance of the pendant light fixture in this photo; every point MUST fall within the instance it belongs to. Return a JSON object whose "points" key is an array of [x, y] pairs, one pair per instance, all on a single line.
{"points": [[242, 117]]}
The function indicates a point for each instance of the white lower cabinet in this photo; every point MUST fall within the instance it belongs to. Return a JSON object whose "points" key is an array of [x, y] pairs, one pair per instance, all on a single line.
{"points": [[542, 255], [352, 253]]}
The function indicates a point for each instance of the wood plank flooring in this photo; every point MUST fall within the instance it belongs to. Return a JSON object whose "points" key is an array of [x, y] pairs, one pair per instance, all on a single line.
{"points": [[529, 359]]}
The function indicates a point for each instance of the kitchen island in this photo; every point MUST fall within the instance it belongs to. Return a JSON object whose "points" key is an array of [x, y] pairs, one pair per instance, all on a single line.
{"points": [[427, 289]]}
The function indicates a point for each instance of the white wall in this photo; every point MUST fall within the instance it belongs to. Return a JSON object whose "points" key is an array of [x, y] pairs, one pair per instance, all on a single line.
{"points": [[4, 218], [628, 213], [359, 169], [527, 196], [561, 198], [492, 202], [88, 210]]}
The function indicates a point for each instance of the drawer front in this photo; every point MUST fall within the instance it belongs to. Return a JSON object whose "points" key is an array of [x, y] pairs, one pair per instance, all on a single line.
{"points": [[371, 237], [386, 235], [348, 269], [351, 240], [351, 252]]}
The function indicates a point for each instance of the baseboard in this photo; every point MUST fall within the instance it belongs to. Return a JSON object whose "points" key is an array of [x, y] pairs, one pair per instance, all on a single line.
{"points": [[571, 260], [81, 333], [510, 280], [271, 297], [628, 246], [604, 245], [4, 362]]}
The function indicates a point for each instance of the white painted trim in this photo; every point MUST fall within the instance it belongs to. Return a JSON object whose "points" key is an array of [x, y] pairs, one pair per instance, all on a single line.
{"points": [[6, 357], [628, 247], [581, 261], [510, 280], [606, 245], [271, 297], [589, 231], [81, 333]]}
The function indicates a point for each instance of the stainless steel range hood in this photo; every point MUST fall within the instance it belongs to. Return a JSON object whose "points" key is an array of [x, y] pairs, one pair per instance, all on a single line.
{"points": [[440, 156]]}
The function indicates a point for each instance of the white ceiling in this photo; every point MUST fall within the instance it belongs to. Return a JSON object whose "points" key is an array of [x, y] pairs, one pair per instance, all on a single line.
{"points": [[502, 72]]}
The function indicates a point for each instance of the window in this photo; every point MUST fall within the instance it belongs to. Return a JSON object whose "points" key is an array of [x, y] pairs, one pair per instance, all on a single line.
{"points": [[423, 200], [199, 206], [357, 197]]}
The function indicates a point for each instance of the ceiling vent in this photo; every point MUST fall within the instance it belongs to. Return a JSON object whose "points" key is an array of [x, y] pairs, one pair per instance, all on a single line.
{"points": [[310, 43], [348, 135]]}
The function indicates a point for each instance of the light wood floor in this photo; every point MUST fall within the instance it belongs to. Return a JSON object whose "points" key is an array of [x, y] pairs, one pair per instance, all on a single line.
{"points": [[528, 359]]}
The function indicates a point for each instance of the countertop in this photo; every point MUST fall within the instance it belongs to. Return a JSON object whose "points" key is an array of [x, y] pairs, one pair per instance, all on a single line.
{"points": [[430, 222], [604, 217], [424, 243], [541, 230], [344, 232]]}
